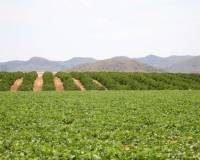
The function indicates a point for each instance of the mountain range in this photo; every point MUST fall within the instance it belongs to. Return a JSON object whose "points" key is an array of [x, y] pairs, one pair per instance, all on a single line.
{"points": [[116, 64], [150, 63], [182, 64], [42, 64], [161, 62]]}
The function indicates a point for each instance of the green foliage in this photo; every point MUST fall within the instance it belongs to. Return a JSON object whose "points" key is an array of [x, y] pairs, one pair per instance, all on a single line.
{"points": [[147, 81], [106, 79], [48, 81], [28, 81], [100, 125], [129, 81], [2, 74], [111, 80], [7, 79], [66, 78], [86, 80]]}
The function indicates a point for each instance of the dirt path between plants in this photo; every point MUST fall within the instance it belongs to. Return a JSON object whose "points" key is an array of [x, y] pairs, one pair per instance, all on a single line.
{"points": [[16, 85], [99, 84], [58, 84], [37, 87], [79, 84]]}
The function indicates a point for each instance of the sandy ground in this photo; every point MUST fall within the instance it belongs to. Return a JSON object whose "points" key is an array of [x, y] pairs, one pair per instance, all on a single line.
{"points": [[38, 83], [79, 84], [58, 84], [99, 84], [16, 85]]}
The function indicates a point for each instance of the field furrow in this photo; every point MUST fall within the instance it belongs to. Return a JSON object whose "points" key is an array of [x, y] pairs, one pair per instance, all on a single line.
{"points": [[38, 84], [58, 84], [16, 85], [79, 84], [99, 84]]}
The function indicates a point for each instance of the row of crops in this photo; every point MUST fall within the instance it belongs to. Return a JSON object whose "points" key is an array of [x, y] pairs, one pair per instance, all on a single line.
{"points": [[108, 80]]}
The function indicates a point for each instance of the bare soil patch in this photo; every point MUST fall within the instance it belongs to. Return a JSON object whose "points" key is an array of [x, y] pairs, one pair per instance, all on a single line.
{"points": [[16, 85], [79, 84], [99, 84], [37, 87], [58, 84]]}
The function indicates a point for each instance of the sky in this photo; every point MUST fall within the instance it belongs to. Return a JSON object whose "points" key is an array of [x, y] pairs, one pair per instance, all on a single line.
{"points": [[62, 29]]}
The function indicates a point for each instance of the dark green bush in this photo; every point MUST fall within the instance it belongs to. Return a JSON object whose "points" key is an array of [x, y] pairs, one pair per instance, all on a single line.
{"points": [[106, 79], [48, 81], [8, 79], [28, 81]]}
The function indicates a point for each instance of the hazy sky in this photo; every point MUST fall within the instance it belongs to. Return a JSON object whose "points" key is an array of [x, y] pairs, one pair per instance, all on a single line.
{"points": [[61, 29]]}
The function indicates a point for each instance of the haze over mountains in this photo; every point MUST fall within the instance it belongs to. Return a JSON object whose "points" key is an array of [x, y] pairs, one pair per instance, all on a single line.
{"points": [[151, 63]]}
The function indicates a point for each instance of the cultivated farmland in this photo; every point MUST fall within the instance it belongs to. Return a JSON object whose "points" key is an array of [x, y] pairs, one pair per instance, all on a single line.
{"points": [[100, 125], [99, 81]]}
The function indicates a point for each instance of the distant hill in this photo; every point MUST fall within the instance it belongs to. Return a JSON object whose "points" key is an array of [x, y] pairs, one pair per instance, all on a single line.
{"points": [[77, 61], [151, 60], [151, 63], [116, 64], [188, 66], [163, 63], [42, 64]]}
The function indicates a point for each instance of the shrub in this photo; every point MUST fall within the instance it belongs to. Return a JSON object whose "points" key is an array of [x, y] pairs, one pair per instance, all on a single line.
{"points": [[8, 79], [28, 81], [48, 81], [106, 79]]}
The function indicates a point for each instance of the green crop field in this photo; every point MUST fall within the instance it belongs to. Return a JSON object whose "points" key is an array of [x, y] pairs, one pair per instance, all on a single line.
{"points": [[100, 125]]}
